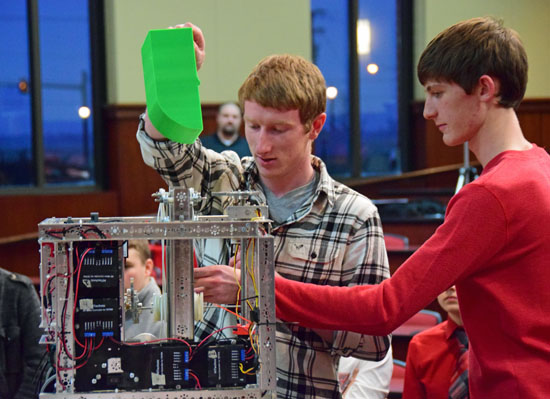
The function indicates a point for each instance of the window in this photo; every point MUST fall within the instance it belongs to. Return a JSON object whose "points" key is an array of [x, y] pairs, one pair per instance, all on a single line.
{"points": [[362, 47], [48, 95]]}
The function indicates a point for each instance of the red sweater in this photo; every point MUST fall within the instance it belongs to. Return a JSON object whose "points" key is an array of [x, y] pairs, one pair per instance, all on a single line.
{"points": [[495, 246], [431, 362]]}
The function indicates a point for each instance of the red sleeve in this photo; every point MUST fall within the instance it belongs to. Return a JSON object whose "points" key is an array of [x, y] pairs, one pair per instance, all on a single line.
{"points": [[473, 231]]}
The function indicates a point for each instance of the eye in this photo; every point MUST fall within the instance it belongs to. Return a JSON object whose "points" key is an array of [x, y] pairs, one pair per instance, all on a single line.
{"points": [[279, 129]]}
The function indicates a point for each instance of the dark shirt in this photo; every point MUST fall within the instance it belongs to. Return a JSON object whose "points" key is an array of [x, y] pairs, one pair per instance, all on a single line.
{"points": [[212, 141], [20, 352]]}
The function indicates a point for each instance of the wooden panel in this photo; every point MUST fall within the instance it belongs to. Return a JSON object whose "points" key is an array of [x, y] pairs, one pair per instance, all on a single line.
{"points": [[438, 183], [22, 257], [209, 112], [546, 130], [128, 174], [531, 125], [417, 232], [20, 214], [20, 217]]}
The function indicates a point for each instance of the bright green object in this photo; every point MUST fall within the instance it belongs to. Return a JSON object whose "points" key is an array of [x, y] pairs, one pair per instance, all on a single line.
{"points": [[172, 84]]}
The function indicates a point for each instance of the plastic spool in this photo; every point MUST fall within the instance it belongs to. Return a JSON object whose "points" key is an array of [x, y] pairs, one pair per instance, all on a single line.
{"points": [[199, 306], [172, 84]]}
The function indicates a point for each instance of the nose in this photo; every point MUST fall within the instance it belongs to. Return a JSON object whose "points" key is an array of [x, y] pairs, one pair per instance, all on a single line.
{"points": [[263, 143], [429, 110]]}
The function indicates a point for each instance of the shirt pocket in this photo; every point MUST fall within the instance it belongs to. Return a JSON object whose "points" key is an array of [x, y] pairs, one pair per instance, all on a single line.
{"points": [[318, 260]]}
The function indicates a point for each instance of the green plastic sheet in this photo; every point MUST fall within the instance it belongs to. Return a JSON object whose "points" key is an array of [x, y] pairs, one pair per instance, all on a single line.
{"points": [[172, 84]]}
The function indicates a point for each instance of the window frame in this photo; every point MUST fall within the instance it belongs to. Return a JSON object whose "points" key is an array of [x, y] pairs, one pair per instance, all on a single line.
{"points": [[98, 79], [404, 26]]}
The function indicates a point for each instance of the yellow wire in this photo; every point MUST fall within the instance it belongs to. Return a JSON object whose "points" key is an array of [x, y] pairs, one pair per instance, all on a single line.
{"points": [[245, 371], [236, 279], [251, 273], [251, 331]]}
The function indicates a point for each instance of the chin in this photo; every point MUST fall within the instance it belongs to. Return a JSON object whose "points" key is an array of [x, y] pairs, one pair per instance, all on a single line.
{"points": [[452, 142]]}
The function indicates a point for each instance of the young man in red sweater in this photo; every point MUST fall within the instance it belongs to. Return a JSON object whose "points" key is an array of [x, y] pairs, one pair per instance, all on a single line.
{"points": [[495, 242]]}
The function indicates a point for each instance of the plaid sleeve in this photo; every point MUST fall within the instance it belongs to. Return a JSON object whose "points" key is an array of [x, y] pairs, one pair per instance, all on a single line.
{"points": [[192, 166], [366, 254]]}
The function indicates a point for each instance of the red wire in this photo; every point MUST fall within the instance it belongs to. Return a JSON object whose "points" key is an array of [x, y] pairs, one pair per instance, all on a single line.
{"points": [[83, 352], [214, 332], [76, 289], [198, 385], [100, 343], [154, 341], [233, 313]]}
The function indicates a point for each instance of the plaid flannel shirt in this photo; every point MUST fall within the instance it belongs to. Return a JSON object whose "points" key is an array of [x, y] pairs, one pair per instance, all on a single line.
{"points": [[335, 238]]}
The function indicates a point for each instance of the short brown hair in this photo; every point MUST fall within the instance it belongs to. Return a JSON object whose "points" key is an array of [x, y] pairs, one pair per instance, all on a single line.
{"points": [[141, 247], [475, 47], [286, 82]]}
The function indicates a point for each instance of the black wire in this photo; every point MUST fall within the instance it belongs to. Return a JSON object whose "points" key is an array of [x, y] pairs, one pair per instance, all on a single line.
{"points": [[82, 230], [38, 376]]}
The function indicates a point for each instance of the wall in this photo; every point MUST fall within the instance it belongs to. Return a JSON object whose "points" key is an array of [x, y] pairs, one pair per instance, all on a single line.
{"points": [[238, 34], [530, 18]]}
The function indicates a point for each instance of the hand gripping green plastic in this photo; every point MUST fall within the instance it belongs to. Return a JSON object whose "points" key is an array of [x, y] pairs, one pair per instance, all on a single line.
{"points": [[172, 84]]}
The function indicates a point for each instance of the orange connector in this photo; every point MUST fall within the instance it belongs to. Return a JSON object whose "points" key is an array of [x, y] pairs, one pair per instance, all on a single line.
{"points": [[241, 329]]}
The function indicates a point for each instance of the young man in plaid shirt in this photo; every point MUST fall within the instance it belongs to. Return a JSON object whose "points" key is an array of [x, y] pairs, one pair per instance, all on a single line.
{"points": [[324, 232]]}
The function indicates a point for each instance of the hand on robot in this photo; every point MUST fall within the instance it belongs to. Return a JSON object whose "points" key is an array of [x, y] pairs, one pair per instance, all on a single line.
{"points": [[218, 283]]}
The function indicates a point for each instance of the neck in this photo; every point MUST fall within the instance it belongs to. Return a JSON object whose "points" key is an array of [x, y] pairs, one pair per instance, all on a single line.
{"points": [[279, 186], [500, 132], [455, 316]]}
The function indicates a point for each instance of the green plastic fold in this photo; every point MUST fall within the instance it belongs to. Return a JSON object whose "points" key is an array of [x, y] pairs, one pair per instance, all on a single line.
{"points": [[172, 84]]}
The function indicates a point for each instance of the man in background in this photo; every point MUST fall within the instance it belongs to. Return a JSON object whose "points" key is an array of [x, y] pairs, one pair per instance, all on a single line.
{"points": [[227, 136], [20, 352]]}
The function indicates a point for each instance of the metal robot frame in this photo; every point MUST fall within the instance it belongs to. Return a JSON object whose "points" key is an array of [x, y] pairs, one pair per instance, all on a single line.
{"points": [[59, 236]]}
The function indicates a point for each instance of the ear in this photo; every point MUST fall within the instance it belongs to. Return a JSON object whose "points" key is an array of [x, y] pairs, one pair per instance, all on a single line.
{"points": [[489, 88], [148, 267], [317, 125]]}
